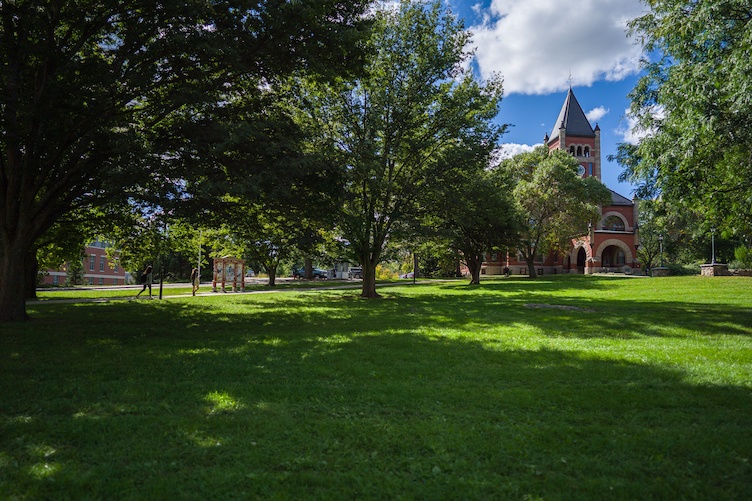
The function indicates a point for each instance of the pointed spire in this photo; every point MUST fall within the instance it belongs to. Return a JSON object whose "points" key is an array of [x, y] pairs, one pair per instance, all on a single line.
{"points": [[573, 119]]}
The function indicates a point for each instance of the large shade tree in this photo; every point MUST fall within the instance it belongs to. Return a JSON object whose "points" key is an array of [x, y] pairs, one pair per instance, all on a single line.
{"points": [[415, 100], [555, 203], [481, 219], [473, 208], [83, 84], [693, 105]]}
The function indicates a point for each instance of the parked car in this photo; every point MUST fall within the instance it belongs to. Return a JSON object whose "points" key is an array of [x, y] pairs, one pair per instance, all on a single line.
{"points": [[356, 272], [317, 273]]}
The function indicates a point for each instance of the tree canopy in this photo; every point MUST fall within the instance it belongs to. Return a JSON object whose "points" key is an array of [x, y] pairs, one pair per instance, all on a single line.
{"points": [[693, 105], [91, 89], [554, 201], [414, 101], [472, 208]]}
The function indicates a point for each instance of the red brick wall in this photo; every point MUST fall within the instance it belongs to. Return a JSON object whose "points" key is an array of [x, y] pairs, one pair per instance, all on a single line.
{"points": [[102, 274]]}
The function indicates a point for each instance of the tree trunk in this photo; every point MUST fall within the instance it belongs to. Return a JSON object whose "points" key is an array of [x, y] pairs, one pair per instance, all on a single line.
{"points": [[308, 265], [13, 282], [32, 272], [531, 267], [272, 271], [369, 280], [474, 265]]}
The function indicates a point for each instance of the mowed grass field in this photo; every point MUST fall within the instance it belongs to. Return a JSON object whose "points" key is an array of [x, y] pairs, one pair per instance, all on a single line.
{"points": [[563, 387]]}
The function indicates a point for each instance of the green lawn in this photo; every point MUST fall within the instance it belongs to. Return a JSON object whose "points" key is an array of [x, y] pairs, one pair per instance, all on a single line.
{"points": [[557, 388]]}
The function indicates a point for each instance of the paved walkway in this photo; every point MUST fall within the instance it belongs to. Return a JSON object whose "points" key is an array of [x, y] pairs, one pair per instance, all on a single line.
{"points": [[205, 290]]}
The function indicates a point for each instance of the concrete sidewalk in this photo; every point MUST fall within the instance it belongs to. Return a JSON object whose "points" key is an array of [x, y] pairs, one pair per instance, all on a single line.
{"points": [[208, 292]]}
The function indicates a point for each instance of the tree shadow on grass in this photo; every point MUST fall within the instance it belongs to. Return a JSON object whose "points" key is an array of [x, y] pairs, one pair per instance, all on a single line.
{"points": [[332, 397]]}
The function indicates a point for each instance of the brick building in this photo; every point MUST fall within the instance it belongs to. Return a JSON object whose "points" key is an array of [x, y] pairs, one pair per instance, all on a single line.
{"points": [[611, 246], [98, 269]]}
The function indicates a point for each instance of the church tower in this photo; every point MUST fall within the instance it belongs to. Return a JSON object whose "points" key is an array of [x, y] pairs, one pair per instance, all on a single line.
{"points": [[572, 132], [608, 246]]}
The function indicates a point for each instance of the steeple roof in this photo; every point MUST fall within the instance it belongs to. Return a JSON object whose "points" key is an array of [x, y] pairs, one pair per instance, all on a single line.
{"points": [[573, 119]]}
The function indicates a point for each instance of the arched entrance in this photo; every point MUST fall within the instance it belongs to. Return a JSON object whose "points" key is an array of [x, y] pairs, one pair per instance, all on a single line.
{"points": [[581, 258], [613, 257]]}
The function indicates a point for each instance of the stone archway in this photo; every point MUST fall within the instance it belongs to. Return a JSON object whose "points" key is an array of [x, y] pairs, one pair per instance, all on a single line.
{"points": [[581, 260], [613, 257], [614, 253], [579, 256]]}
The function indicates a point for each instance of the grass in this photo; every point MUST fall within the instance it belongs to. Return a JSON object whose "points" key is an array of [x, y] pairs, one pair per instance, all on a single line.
{"points": [[557, 388]]}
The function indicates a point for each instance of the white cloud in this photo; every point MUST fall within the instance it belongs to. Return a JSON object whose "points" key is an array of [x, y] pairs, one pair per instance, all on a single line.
{"points": [[508, 150], [596, 113], [537, 44], [631, 132], [628, 129]]}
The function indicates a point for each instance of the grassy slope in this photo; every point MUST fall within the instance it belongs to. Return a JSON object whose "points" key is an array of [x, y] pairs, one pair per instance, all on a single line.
{"points": [[442, 391]]}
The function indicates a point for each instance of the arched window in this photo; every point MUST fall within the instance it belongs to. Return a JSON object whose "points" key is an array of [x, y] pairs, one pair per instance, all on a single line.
{"points": [[587, 151], [571, 150], [614, 223], [579, 151]]}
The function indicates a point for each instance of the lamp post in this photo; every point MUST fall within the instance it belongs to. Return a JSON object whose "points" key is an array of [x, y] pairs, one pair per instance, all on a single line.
{"points": [[415, 266], [712, 244], [200, 236], [660, 240]]}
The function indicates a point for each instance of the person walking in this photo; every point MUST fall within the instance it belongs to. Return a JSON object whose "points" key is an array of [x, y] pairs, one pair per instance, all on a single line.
{"points": [[195, 280], [146, 279]]}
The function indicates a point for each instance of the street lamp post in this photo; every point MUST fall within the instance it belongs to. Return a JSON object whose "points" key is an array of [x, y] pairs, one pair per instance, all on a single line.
{"points": [[712, 244], [660, 240]]}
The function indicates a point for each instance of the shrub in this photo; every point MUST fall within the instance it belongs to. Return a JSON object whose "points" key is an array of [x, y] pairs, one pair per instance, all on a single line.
{"points": [[743, 259], [683, 269], [385, 273]]}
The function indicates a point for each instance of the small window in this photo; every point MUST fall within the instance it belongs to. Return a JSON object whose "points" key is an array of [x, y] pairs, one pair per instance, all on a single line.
{"points": [[587, 151], [494, 257], [55, 280], [101, 263], [590, 169], [91, 262], [579, 151], [571, 150], [114, 281], [101, 280]]}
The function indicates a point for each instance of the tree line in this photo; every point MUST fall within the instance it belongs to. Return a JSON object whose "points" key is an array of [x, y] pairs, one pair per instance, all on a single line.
{"points": [[269, 128]]}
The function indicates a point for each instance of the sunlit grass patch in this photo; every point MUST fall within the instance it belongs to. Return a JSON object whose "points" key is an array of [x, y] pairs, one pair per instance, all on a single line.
{"points": [[222, 402]]}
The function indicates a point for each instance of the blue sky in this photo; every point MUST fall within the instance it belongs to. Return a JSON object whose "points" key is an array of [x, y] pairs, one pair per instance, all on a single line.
{"points": [[537, 46]]}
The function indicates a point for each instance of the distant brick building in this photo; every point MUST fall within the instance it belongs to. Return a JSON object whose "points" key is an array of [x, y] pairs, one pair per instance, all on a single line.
{"points": [[98, 269], [609, 247]]}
